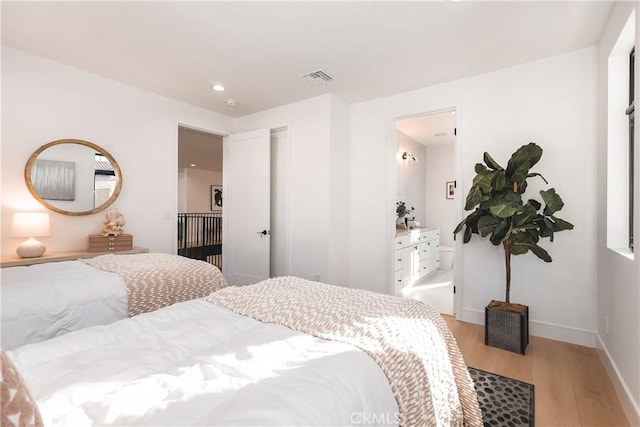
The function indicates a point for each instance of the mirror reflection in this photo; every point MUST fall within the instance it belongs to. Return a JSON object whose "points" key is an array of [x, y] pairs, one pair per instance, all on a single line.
{"points": [[73, 177]]}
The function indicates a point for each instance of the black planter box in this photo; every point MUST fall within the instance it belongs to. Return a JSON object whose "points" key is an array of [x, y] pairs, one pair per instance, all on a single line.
{"points": [[506, 329]]}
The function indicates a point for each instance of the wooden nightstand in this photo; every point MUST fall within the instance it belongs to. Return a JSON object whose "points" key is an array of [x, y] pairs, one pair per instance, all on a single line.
{"points": [[14, 260], [100, 243]]}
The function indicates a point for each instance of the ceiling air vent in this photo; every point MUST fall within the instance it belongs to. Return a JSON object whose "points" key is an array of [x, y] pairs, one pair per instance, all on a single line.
{"points": [[318, 77]]}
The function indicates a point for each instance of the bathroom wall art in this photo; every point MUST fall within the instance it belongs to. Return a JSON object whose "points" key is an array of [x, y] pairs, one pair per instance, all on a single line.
{"points": [[451, 189]]}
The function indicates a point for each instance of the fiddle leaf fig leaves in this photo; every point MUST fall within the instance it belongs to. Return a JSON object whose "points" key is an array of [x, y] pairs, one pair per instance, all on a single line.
{"points": [[474, 198], [540, 253], [487, 224], [552, 200], [481, 169], [500, 232], [484, 182], [467, 235], [503, 210], [499, 214], [536, 204], [547, 229], [532, 174], [492, 163], [522, 161], [560, 224], [499, 180]]}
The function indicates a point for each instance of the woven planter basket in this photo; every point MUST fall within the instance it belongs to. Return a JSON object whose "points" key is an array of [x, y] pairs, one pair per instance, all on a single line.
{"points": [[506, 326]]}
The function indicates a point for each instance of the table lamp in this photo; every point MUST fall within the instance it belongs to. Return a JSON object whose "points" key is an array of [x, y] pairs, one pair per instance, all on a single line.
{"points": [[31, 225]]}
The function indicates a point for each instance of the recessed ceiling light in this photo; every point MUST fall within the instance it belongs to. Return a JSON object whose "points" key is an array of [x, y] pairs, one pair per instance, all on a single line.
{"points": [[217, 88], [453, 113], [193, 165]]}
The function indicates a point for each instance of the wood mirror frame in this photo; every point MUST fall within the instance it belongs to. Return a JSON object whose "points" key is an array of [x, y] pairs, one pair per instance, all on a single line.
{"points": [[90, 145]]}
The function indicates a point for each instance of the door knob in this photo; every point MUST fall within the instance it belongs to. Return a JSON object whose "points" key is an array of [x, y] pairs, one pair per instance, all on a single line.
{"points": [[263, 233]]}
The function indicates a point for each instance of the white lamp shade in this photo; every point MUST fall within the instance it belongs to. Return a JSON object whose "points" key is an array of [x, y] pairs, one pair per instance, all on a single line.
{"points": [[30, 224]]}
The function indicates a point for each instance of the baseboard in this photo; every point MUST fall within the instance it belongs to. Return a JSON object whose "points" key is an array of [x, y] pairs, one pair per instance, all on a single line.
{"points": [[631, 408], [542, 329]]}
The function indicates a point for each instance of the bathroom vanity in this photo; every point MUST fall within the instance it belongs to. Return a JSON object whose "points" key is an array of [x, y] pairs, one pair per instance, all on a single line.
{"points": [[416, 256]]}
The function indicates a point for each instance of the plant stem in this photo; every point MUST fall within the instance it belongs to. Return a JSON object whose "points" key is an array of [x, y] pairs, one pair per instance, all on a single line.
{"points": [[507, 256], [507, 260]]}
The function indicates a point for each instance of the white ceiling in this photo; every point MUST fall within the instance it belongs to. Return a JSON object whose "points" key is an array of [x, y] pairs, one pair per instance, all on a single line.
{"points": [[199, 150], [260, 50], [430, 129]]}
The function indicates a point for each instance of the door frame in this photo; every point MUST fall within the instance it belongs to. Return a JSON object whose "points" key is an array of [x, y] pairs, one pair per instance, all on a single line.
{"points": [[458, 201], [283, 233], [174, 227]]}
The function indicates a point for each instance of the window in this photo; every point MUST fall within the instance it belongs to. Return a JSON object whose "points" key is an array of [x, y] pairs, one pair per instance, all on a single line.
{"points": [[630, 112], [621, 167]]}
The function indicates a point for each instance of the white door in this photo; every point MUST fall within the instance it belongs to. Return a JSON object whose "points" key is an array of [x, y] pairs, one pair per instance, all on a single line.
{"points": [[246, 207]]}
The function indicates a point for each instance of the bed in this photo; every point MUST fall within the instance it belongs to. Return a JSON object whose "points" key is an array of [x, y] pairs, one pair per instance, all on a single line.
{"points": [[285, 351], [42, 301]]}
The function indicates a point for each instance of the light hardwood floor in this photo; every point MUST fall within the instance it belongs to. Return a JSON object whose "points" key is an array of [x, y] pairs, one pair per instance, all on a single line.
{"points": [[571, 385]]}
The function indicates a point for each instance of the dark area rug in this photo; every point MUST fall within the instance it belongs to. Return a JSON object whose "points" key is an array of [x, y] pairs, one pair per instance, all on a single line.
{"points": [[504, 401]]}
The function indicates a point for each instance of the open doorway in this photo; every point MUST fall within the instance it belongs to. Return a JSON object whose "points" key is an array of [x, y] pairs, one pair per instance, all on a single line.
{"points": [[425, 184], [200, 197]]}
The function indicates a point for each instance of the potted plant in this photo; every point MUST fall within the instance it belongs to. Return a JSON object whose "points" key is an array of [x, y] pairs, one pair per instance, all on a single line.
{"points": [[402, 211], [501, 215]]}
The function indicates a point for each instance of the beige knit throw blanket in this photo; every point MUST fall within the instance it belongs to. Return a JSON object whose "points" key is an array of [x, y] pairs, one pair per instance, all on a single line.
{"points": [[409, 341], [156, 280]]}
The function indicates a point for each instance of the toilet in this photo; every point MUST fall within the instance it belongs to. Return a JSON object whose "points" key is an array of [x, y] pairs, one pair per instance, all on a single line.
{"points": [[446, 258]]}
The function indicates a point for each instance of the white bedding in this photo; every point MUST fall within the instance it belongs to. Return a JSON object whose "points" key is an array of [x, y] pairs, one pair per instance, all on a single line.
{"points": [[194, 363], [42, 301]]}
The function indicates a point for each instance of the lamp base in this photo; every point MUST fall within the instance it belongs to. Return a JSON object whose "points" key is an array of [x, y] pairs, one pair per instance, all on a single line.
{"points": [[31, 248]]}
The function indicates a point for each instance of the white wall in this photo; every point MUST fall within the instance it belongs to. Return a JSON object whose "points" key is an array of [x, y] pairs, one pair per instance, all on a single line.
{"points": [[618, 291], [411, 176], [43, 101], [182, 190], [311, 138], [339, 186], [440, 211], [550, 101], [198, 189]]}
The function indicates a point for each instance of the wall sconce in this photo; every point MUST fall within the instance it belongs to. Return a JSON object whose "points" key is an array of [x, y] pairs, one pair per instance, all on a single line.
{"points": [[407, 155], [31, 225]]}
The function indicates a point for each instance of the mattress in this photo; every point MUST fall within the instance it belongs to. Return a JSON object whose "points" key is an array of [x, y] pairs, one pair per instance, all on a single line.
{"points": [[194, 363], [47, 300], [42, 301], [408, 339], [155, 280]]}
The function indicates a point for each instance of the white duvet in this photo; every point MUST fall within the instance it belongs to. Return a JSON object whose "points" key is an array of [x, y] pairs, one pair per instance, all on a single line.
{"points": [[194, 363], [42, 301]]}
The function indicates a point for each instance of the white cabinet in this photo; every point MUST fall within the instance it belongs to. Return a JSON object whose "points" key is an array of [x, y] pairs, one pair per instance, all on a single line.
{"points": [[397, 283], [431, 256], [416, 256], [398, 278]]}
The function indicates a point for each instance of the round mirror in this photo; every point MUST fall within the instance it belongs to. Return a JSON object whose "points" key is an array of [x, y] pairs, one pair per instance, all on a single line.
{"points": [[73, 177]]}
